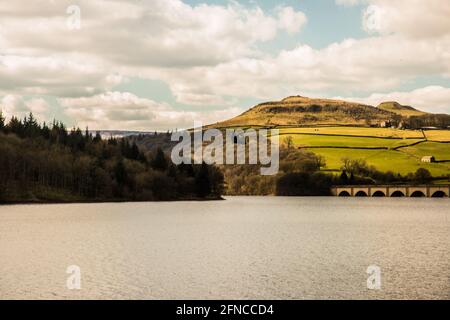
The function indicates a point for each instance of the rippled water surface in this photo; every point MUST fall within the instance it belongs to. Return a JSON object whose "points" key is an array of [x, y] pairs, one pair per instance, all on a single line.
{"points": [[241, 248]]}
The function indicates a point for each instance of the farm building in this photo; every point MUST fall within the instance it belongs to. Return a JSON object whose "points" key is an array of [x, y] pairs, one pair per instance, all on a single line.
{"points": [[429, 159], [385, 124]]}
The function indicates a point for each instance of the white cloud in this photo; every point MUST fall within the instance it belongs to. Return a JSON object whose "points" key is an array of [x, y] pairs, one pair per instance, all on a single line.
{"points": [[118, 38], [348, 2], [290, 20], [38, 105], [206, 54], [366, 65], [414, 18], [15, 105], [159, 33], [433, 99], [123, 110], [70, 75], [376, 63], [199, 99]]}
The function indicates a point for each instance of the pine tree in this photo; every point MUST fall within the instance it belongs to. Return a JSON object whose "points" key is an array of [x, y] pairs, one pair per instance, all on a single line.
{"points": [[134, 152], [120, 172], [203, 181], [45, 131], [15, 126], [159, 162], [87, 135], [31, 126], [98, 137]]}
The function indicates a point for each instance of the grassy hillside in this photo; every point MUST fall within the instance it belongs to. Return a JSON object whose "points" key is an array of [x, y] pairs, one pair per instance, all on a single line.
{"points": [[389, 152], [399, 109], [387, 149], [438, 135], [384, 161], [439, 150], [335, 129], [358, 132], [301, 111], [338, 129], [302, 140]]}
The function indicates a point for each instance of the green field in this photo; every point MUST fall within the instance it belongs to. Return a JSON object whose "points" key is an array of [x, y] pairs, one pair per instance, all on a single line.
{"points": [[384, 160], [440, 150], [400, 151], [335, 143], [438, 135], [359, 131], [306, 140]]}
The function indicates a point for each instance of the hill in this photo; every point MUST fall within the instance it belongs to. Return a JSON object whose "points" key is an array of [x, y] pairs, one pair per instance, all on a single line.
{"points": [[319, 137], [335, 130], [303, 111], [397, 108], [298, 111]]}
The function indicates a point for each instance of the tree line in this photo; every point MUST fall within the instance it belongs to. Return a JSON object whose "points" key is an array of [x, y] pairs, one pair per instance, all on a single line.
{"points": [[48, 162], [428, 120]]}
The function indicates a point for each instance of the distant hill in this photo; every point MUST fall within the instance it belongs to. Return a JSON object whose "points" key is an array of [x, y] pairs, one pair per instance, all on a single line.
{"points": [[303, 111], [399, 109], [106, 134]]}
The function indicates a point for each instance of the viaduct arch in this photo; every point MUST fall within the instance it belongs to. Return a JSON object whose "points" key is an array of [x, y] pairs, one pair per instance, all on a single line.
{"points": [[408, 191]]}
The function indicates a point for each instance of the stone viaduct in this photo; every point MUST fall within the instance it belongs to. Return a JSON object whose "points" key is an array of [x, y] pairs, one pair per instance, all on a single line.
{"points": [[430, 191]]}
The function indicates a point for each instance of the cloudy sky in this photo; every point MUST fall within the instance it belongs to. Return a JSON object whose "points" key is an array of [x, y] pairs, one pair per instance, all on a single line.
{"points": [[161, 64]]}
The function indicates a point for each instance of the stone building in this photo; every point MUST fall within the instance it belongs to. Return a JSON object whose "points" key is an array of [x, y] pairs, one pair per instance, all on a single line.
{"points": [[429, 159]]}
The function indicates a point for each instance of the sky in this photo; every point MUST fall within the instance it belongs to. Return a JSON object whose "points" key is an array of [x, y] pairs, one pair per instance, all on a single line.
{"points": [[163, 64]]}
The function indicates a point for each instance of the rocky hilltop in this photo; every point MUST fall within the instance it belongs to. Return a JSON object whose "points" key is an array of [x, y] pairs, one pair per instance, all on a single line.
{"points": [[303, 111]]}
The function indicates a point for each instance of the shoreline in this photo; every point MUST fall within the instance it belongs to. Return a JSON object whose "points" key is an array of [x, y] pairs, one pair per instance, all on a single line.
{"points": [[222, 198], [47, 202]]}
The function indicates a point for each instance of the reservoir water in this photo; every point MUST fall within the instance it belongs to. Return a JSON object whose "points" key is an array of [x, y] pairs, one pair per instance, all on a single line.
{"points": [[241, 248]]}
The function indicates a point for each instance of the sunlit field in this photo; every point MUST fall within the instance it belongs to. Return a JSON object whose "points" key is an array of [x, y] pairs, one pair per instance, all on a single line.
{"points": [[399, 151], [358, 131], [438, 135]]}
